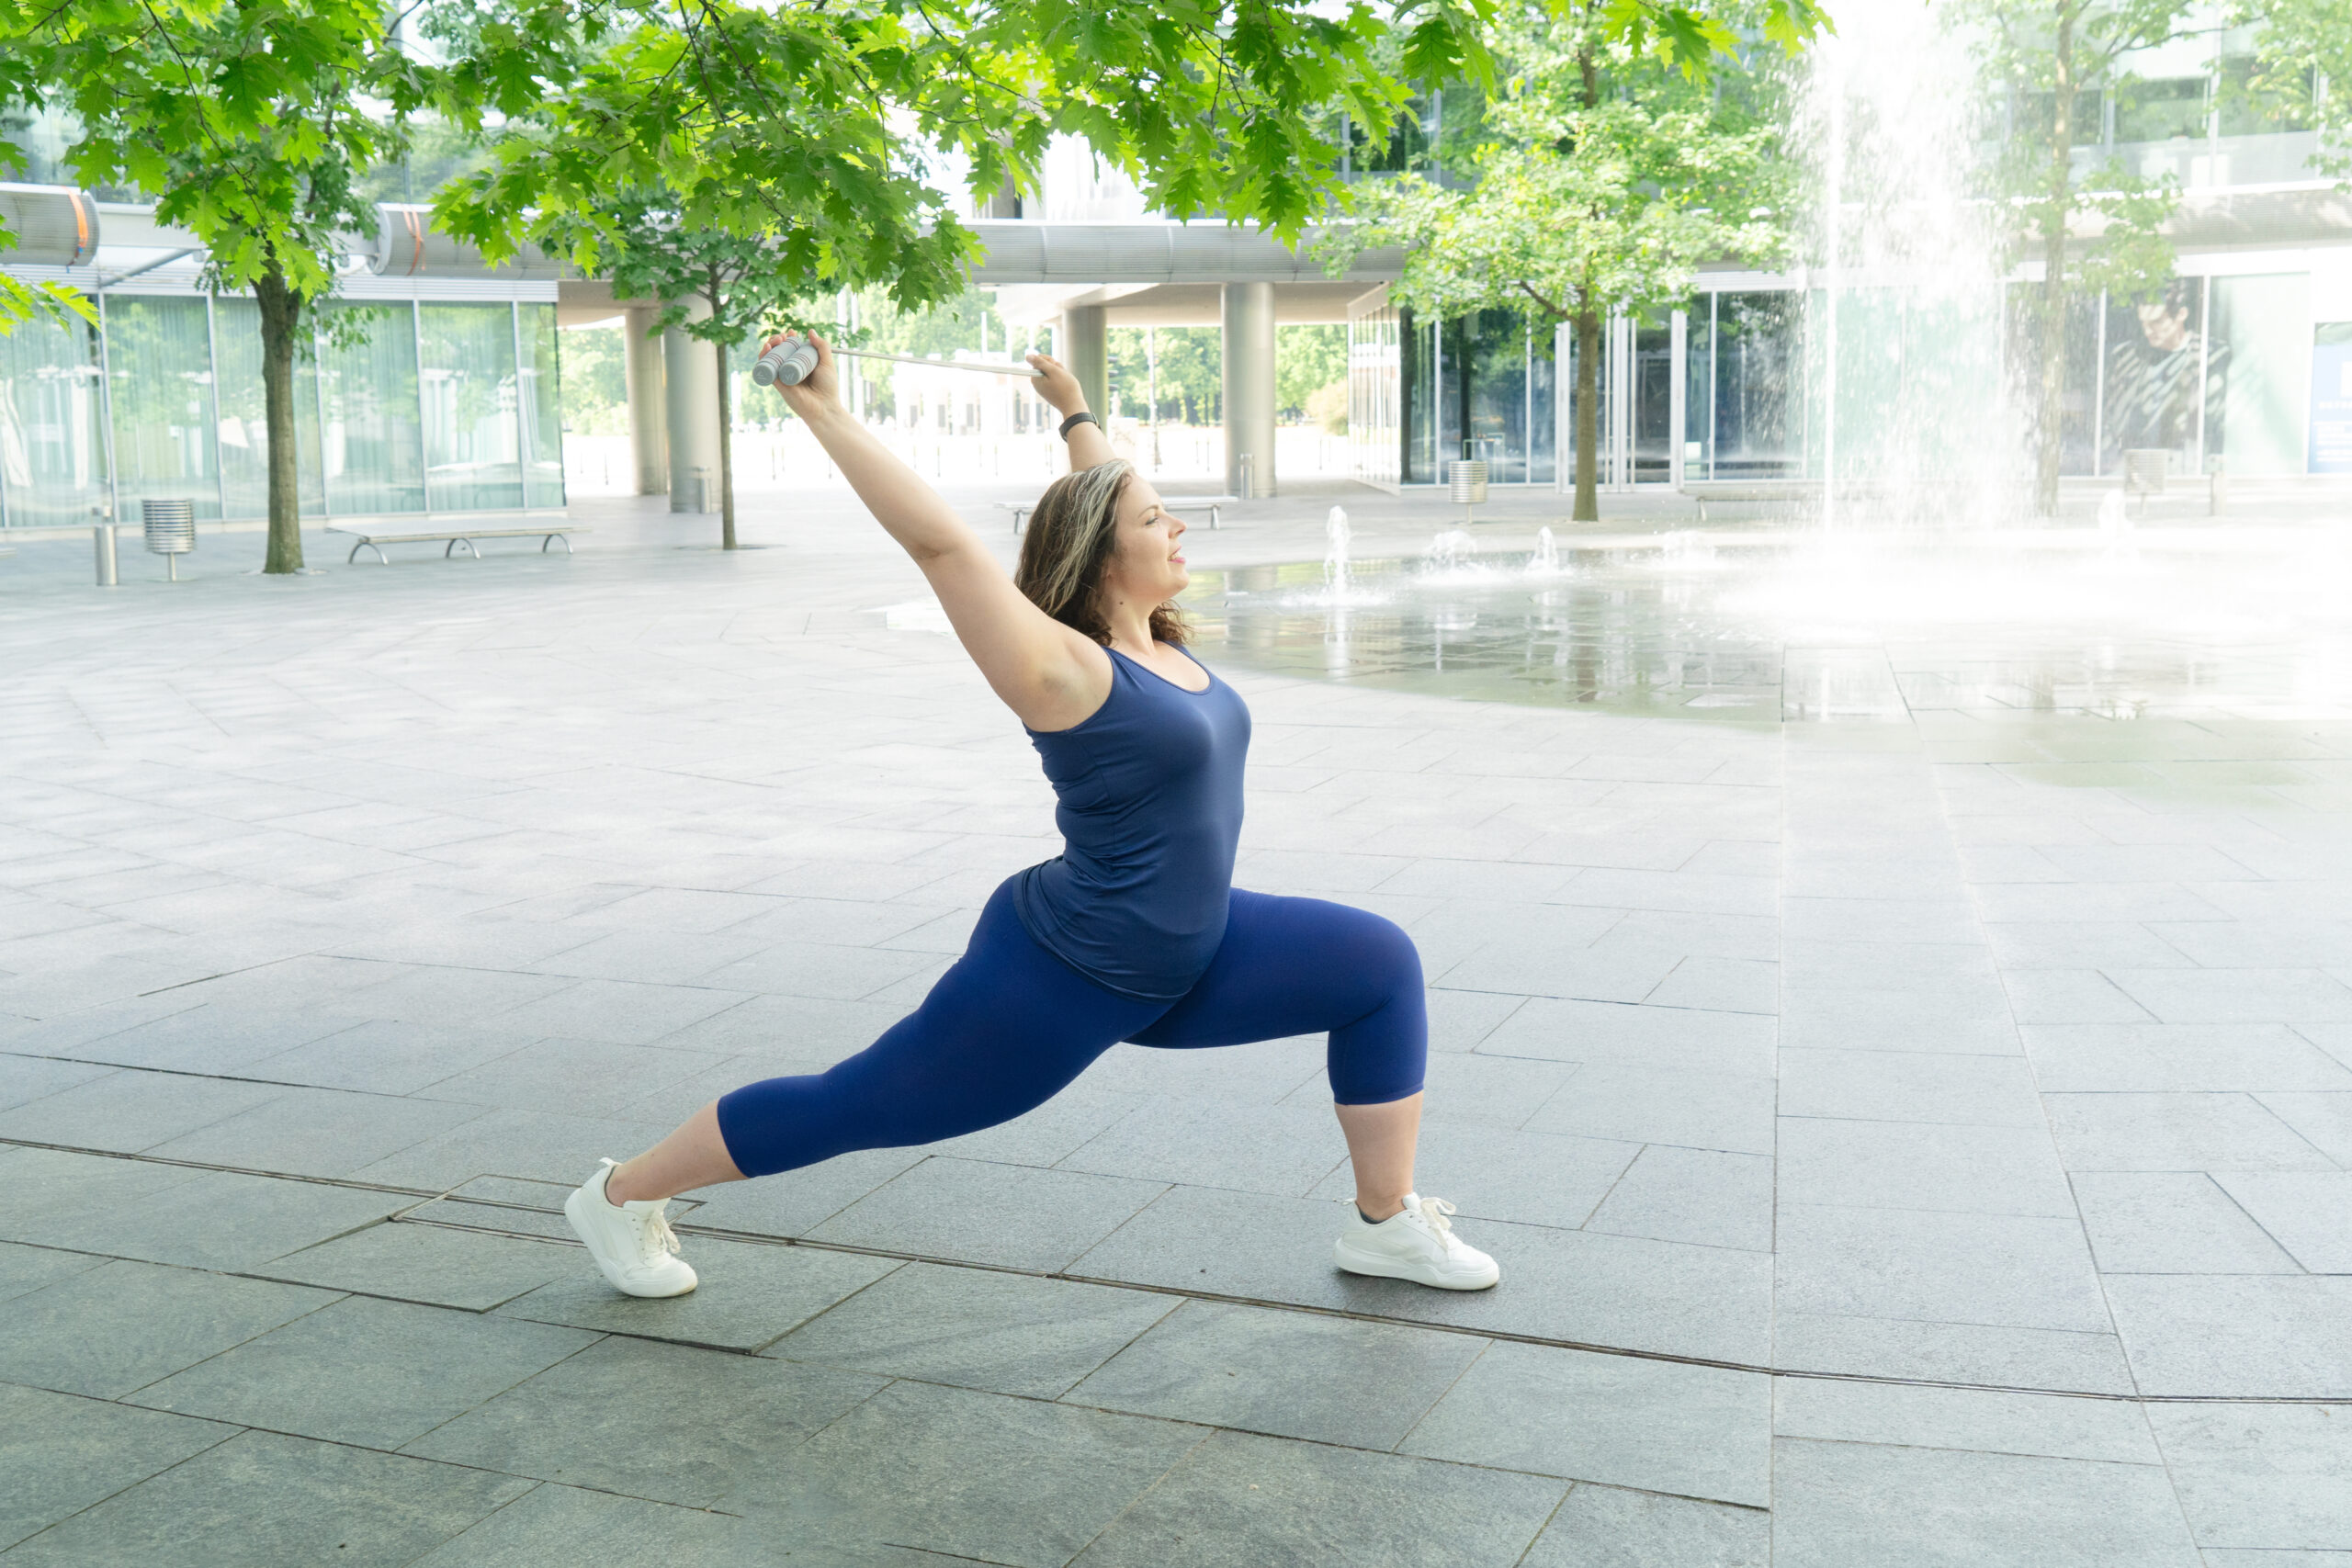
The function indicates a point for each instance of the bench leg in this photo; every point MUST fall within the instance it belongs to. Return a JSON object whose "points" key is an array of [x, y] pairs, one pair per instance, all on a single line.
{"points": [[551, 538], [381, 556], [1213, 512], [354, 552]]}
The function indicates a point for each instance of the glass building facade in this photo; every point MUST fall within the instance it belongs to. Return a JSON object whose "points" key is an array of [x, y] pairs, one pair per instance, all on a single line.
{"points": [[402, 407], [2223, 371]]}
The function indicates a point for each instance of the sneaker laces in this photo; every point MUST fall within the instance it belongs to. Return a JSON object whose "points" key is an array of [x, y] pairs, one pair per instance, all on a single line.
{"points": [[1433, 1212], [655, 1237]]}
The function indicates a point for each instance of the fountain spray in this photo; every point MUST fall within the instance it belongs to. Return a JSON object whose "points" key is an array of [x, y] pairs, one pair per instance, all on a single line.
{"points": [[1336, 569]]}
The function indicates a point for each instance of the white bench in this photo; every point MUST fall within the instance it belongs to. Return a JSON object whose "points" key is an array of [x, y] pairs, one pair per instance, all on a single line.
{"points": [[373, 539], [1213, 504], [1726, 491]]}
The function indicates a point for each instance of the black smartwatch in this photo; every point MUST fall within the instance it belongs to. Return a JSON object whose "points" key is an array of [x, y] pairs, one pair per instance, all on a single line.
{"points": [[1074, 420]]}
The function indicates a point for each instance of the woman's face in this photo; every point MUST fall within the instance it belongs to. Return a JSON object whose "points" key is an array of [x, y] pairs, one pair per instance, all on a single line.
{"points": [[1147, 564]]}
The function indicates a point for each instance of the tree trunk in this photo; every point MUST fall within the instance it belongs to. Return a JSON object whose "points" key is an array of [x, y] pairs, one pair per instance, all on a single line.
{"points": [[716, 296], [1589, 321], [2058, 199], [281, 318], [1588, 415]]}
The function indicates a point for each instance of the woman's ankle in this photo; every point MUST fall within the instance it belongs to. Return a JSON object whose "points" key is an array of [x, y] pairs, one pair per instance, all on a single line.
{"points": [[617, 1187], [1376, 1209]]}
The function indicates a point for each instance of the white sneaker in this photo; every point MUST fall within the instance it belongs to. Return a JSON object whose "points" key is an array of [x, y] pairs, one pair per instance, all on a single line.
{"points": [[632, 1243], [1417, 1244]]}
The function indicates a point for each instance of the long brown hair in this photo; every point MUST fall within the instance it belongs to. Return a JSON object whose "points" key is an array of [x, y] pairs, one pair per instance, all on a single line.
{"points": [[1071, 535]]}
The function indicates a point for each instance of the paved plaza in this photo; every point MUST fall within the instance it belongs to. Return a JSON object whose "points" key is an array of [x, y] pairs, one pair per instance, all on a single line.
{"points": [[1914, 1140]]}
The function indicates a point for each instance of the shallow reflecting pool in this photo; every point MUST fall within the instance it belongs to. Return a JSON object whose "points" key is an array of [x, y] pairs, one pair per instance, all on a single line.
{"points": [[1755, 627]]}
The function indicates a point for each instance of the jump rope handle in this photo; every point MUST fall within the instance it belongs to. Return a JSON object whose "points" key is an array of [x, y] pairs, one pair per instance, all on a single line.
{"points": [[790, 362]]}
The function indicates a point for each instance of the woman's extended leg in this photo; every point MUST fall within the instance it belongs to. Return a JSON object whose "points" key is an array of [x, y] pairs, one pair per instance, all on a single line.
{"points": [[1000, 1034], [1303, 966], [694, 1156]]}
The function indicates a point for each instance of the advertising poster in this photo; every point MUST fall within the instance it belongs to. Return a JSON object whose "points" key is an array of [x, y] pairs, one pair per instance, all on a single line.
{"points": [[2332, 399]]}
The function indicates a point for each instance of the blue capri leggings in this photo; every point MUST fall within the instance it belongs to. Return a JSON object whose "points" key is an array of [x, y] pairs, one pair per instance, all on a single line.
{"points": [[1011, 1023]]}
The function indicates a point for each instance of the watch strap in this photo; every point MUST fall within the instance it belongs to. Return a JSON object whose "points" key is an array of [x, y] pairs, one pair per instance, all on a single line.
{"points": [[1074, 420]]}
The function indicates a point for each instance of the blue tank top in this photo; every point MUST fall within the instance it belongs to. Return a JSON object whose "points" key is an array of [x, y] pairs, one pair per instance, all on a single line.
{"points": [[1149, 792]]}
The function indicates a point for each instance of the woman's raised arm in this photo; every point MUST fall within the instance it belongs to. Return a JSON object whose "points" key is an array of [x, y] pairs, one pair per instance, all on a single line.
{"points": [[1049, 674]]}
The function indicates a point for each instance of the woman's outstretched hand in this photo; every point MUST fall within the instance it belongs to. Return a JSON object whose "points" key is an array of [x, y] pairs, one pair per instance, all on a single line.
{"points": [[1057, 386], [819, 390]]}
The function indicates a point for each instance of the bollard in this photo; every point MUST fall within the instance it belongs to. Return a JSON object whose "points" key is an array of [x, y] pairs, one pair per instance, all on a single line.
{"points": [[102, 544]]}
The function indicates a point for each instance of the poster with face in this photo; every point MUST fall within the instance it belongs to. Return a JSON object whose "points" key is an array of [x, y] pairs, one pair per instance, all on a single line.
{"points": [[2155, 348]]}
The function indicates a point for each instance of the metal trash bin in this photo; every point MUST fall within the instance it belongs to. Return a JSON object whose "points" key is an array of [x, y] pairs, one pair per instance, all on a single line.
{"points": [[1468, 481], [171, 530]]}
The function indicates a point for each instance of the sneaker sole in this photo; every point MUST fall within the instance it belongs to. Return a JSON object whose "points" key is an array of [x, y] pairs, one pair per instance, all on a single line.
{"points": [[572, 1218], [1390, 1269]]}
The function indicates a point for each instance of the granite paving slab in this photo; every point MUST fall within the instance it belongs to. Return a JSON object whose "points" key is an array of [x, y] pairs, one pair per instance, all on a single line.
{"points": [[1655, 1426], [976, 1328], [665, 1422], [900, 1468], [1607, 1527], [1238, 1500], [263, 1500], [109, 1331], [59, 1454], [749, 1294], [1285, 1374], [348, 1373]]}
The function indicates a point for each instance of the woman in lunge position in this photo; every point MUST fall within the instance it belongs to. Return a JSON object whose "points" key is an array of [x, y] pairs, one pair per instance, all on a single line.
{"points": [[1134, 933]]}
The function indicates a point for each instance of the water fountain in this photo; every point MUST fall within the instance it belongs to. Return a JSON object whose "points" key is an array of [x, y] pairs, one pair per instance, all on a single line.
{"points": [[1335, 558], [1918, 558], [1546, 561], [1451, 552], [1909, 427]]}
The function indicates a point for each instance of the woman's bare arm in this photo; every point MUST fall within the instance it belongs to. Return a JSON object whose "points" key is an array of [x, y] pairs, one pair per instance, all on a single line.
{"points": [[1050, 675]]}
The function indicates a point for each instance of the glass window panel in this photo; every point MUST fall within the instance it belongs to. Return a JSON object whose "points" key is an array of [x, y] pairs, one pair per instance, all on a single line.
{"points": [[2257, 370], [1375, 436], [2159, 111], [159, 356], [1418, 347], [1698, 432], [472, 454], [243, 414], [543, 405], [2251, 104], [1653, 404], [1452, 393], [368, 389], [2155, 349], [1759, 385], [1497, 416], [53, 461], [1543, 410]]}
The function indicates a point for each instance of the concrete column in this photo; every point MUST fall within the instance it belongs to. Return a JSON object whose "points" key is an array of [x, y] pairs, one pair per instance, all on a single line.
{"points": [[690, 379], [1086, 349], [648, 418], [1250, 388]]}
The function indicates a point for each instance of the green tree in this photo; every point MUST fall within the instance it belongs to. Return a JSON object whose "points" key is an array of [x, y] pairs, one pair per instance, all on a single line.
{"points": [[1306, 360], [2299, 76], [775, 155], [1604, 177], [2052, 58], [1191, 371], [253, 123]]}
